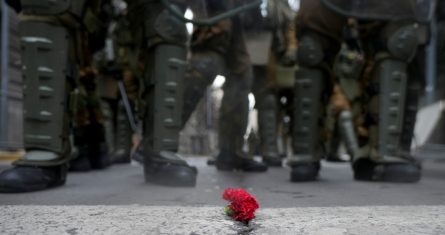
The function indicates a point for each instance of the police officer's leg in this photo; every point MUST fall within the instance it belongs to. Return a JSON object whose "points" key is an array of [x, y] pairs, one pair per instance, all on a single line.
{"points": [[235, 107], [267, 124], [413, 91], [233, 123], [310, 82], [108, 110], [385, 160], [203, 67], [267, 106], [123, 136], [163, 77], [346, 97], [79, 155], [333, 144], [46, 72], [124, 133], [319, 30], [208, 46], [89, 130], [333, 133], [347, 132]]}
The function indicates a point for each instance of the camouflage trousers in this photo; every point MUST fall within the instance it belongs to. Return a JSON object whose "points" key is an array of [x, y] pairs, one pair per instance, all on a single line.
{"points": [[221, 50]]}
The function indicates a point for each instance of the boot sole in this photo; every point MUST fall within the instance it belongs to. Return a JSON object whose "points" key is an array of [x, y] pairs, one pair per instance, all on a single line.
{"points": [[171, 175], [391, 173], [304, 173]]}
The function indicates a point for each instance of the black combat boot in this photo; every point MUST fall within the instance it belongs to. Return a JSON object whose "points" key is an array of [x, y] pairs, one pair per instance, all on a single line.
{"points": [[274, 161], [399, 172], [388, 157], [165, 168], [229, 161], [211, 161], [304, 172], [170, 173], [20, 179], [92, 150]]}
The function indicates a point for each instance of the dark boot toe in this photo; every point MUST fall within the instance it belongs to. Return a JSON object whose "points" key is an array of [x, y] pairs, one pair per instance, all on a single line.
{"points": [[28, 178], [171, 174], [250, 165], [304, 172], [367, 170]]}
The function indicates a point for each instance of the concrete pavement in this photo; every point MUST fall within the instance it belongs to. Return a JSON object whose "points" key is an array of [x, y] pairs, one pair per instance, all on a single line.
{"points": [[135, 219], [118, 201], [124, 185]]}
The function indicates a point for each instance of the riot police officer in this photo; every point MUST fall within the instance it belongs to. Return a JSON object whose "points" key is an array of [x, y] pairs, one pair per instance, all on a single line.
{"points": [[273, 68], [390, 33], [51, 33], [221, 49], [119, 85]]}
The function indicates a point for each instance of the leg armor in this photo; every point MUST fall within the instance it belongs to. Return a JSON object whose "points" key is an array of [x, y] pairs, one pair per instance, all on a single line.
{"points": [[267, 122], [333, 144], [347, 132], [393, 80], [267, 106], [411, 106], [46, 68], [45, 72], [164, 68], [309, 84], [166, 98], [123, 136], [387, 109]]}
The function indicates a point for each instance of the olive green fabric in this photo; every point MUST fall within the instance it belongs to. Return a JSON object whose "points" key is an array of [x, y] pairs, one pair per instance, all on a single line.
{"points": [[62, 53], [368, 97], [221, 49]]}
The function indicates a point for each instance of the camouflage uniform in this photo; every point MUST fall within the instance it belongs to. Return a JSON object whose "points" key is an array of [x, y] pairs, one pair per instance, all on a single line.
{"points": [[54, 42], [90, 148], [270, 72], [131, 80], [118, 65], [221, 49], [379, 153], [158, 59]]}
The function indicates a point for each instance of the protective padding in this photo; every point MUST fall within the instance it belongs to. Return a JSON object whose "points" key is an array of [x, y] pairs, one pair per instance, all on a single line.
{"points": [[45, 66]]}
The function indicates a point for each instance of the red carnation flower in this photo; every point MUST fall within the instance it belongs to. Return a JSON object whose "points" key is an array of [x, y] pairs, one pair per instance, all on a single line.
{"points": [[242, 205]]}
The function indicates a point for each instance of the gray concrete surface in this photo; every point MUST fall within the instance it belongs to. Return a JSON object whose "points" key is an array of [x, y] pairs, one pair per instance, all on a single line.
{"points": [[135, 219], [117, 201], [124, 185]]}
